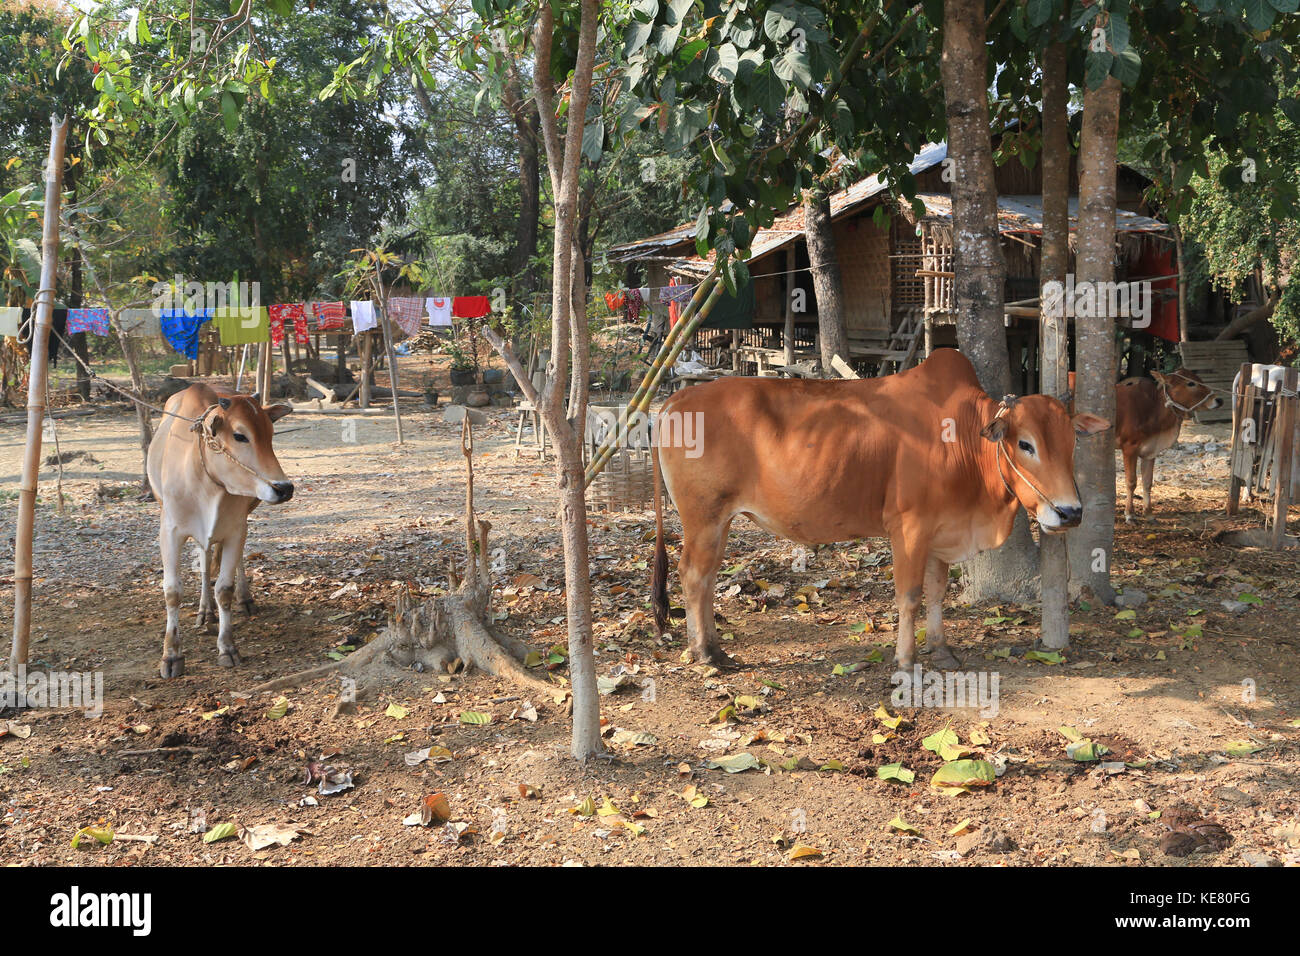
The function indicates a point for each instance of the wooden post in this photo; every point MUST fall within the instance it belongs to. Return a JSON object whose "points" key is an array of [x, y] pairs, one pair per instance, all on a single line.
{"points": [[1239, 413], [364, 343], [789, 305], [1285, 402], [42, 317]]}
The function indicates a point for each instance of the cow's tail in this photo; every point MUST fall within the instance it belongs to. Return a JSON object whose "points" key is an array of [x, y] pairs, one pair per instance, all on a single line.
{"points": [[659, 581]]}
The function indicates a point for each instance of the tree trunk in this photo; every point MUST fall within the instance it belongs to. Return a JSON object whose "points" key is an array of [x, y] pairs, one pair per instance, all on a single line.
{"points": [[568, 328], [1092, 544], [1054, 555], [1009, 573], [523, 113], [42, 317], [827, 287], [1243, 322]]}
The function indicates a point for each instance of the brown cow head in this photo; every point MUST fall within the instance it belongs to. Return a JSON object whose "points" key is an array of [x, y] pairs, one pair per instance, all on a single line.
{"points": [[1034, 436], [245, 428], [1185, 392]]}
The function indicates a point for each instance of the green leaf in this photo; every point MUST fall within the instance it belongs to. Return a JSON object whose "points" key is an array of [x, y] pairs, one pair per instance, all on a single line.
{"points": [[722, 62], [1127, 67], [941, 738], [964, 774], [1045, 657], [734, 763], [473, 717], [1039, 11], [222, 831], [1097, 68], [895, 771], [1259, 14], [593, 140]]}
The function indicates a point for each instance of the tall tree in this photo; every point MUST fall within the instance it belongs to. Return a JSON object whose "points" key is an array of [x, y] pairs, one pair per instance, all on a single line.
{"points": [[1054, 557], [1092, 545], [979, 269], [827, 286]]}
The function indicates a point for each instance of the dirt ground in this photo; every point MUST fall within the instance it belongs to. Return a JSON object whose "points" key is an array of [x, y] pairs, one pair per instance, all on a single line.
{"points": [[1195, 703]]}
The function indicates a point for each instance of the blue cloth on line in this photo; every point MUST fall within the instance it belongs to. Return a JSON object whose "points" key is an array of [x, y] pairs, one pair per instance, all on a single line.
{"points": [[181, 329]]}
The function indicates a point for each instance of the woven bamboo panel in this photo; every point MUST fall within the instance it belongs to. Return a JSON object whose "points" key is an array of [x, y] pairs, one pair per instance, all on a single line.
{"points": [[626, 484]]}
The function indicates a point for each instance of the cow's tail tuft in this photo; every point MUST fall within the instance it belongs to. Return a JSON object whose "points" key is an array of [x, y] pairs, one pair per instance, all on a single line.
{"points": [[659, 581]]}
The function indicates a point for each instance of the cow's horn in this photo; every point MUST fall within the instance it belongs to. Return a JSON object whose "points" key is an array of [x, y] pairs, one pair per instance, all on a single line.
{"points": [[255, 398]]}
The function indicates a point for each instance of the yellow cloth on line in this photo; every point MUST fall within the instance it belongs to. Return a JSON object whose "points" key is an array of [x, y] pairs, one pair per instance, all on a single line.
{"points": [[242, 326]]}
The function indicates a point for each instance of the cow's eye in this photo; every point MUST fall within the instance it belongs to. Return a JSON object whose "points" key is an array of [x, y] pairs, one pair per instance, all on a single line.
{"points": [[244, 438], [1025, 446]]}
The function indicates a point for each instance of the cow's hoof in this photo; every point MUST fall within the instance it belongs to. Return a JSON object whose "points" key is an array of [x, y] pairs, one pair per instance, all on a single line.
{"points": [[943, 659], [904, 663], [249, 606], [229, 658], [718, 658], [172, 666]]}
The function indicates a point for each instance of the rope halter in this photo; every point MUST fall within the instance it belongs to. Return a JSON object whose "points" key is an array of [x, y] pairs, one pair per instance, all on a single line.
{"points": [[1184, 409], [208, 440], [1004, 407]]}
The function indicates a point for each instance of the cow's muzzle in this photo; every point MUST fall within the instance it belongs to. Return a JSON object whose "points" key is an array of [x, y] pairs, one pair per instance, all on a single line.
{"points": [[283, 491], [1070, 517]]}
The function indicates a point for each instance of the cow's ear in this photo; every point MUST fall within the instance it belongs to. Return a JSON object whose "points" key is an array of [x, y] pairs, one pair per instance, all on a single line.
{"points": [[277, 412], [995, 430], [1159, 377], [1086, 423], [223, 401]]}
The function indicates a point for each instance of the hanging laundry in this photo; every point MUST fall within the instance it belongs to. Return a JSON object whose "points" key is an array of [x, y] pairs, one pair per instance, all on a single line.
{"points": [[293, 312], [329, 315], [439, 307], [88, 320], [181, 329], [615, 300], [58, 328], [139, 323], [10, 318], [363, 316], [242, 326], [634, 301], [470, 306], [407, 312], [676, 294]]}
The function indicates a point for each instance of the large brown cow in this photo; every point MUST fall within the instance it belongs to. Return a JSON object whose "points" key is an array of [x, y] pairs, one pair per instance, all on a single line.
{"points": [[208, 477], [1148, 417], [924, 457]]}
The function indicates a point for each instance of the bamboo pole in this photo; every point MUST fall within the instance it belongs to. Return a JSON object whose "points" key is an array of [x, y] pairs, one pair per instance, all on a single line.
{"points": [[42, 317], [669, 342], [667, 356]]}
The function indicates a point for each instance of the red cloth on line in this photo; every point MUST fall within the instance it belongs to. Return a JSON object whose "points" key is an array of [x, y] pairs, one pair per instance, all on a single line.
{"points": [[615, 300], [674, 310], [329, 315], [470, 306], [292, 312]]}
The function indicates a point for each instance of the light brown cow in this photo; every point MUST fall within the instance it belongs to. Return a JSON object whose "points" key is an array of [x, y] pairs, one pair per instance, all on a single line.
{"points": [[1148, 417], [208, 478], [924, 457]]}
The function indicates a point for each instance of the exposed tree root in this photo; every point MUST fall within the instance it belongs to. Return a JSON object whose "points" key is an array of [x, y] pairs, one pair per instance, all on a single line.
{"points": [[445, 632]]}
